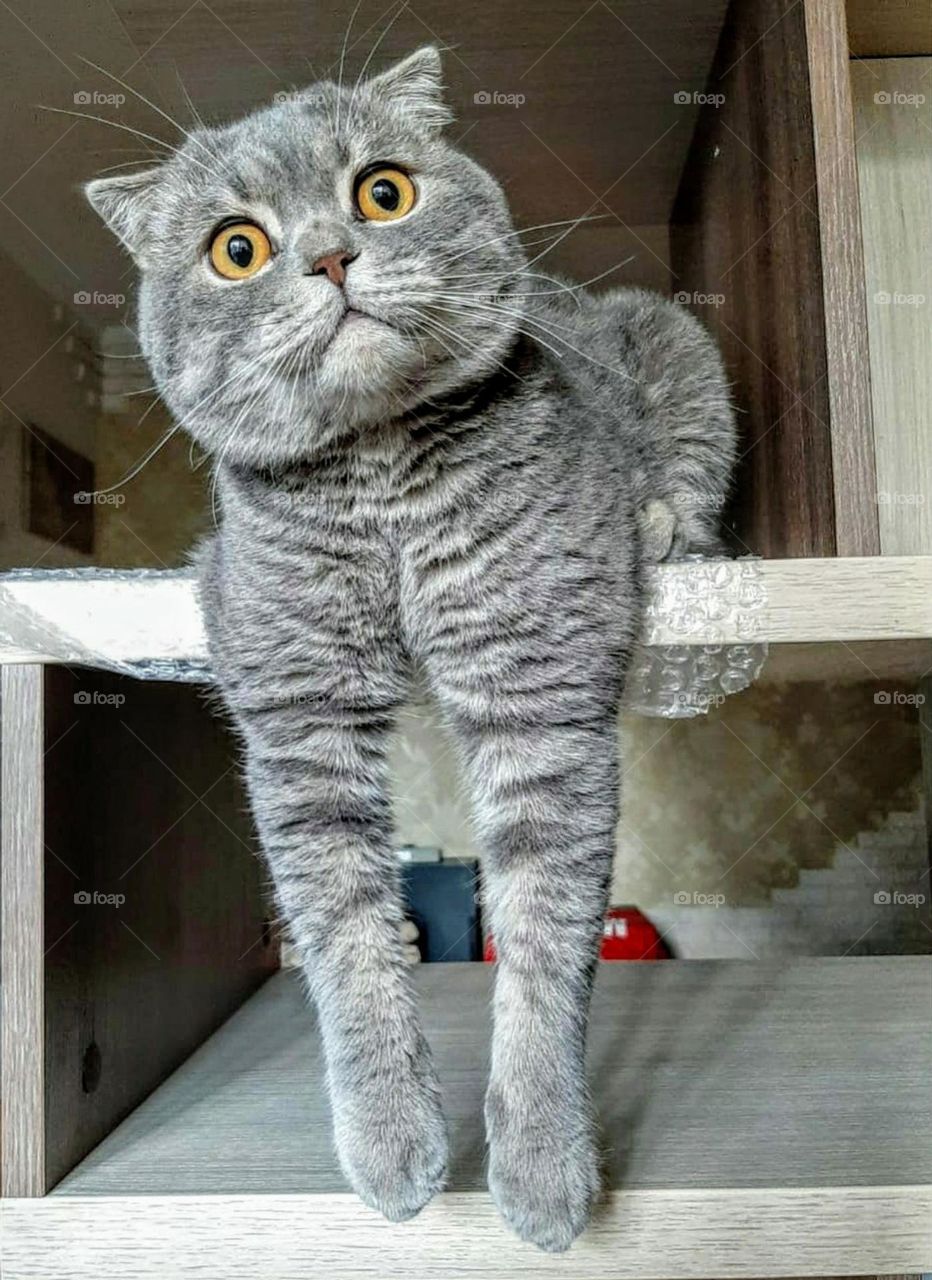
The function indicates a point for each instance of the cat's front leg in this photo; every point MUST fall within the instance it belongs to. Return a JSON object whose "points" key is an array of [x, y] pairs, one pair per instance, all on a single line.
{"points": [[550, 812], [542, 763], [316, 767]]}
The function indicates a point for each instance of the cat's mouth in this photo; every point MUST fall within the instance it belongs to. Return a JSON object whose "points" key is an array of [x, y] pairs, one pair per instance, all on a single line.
{"points": [[351, 318]]}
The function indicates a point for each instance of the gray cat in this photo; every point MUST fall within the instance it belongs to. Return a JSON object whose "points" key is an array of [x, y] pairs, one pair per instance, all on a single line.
{"points": [[427, 455]]}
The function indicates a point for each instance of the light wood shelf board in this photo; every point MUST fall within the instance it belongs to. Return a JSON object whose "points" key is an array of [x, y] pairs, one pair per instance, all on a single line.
{"points": [[893, 123], [709, 1235], [806, 601], [759, 1119]]}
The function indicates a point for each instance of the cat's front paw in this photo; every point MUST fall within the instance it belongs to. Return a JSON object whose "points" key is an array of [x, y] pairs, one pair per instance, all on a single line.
{"points": [[393, 1146], [543, 1169]]}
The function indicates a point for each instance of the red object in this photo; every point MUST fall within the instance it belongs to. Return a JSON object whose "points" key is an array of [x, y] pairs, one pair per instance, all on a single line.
{"points": [[628, 935]]}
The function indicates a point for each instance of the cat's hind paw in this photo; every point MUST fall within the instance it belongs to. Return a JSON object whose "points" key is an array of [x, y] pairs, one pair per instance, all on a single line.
{"points": [[658, 527]]}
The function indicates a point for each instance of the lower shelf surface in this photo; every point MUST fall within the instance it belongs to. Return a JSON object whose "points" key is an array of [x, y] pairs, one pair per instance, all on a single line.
{"points": [[759, 1120]]}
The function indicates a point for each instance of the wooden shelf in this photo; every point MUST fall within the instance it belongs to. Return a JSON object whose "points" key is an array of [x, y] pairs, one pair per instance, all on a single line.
{"points": [[875, 600], [759, 1120]]}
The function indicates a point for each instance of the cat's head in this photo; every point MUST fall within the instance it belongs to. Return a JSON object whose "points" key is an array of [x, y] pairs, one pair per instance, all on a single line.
{"points": [[327, 262]]}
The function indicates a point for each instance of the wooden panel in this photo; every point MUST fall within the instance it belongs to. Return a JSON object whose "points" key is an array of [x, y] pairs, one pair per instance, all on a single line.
{"points": [[881, 28], [850, 662], [143, 804], [22, 1137], [925, 742], [231, 56], [893, 117], [768, 1080], [147, 899], [579, 69], [746, 246], [882, 599], [879, 598], [847, 361], [740, 1109], [873, 598], [636, 1235]]}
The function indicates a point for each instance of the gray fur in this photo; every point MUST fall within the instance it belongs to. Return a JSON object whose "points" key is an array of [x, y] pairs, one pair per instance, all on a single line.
{"points": [[464, 489]]}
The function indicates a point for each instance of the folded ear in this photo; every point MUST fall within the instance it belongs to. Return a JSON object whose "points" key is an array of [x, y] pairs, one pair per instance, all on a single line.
{"points": [[415, 86], [125, 204]]}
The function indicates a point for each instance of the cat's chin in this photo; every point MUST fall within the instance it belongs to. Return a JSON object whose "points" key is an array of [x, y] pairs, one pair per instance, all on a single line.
{"points": [[367, 367]]}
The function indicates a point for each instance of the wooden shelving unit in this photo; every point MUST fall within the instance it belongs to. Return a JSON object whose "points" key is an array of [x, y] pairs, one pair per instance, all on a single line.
{"points": [[164, 1115]]}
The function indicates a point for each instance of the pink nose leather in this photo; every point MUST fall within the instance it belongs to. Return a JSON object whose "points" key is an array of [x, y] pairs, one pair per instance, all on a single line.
{"points": [[333, 265]]}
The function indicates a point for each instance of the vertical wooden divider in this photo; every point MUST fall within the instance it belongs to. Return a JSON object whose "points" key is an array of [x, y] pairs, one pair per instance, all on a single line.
{"points": [[765, 247], [857, 525], [22, 895]]}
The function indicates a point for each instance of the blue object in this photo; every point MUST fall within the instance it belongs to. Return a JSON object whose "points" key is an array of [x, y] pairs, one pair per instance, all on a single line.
{"points": [[442, 898]]}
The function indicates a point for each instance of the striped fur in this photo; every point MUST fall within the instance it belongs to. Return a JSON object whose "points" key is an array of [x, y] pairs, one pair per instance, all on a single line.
{"points": [[469, 488]]}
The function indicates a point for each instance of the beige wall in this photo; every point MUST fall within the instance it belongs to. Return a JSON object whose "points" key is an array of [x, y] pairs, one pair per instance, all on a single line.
{"points": [[44, 350], [165, 508]]}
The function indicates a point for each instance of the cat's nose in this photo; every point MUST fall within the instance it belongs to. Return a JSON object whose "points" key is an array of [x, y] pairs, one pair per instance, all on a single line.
{"points": [[333, 265]]}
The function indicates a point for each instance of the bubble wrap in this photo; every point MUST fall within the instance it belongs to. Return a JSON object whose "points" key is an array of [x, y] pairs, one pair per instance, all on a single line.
{"points": [[678, 681], [132, 613]]}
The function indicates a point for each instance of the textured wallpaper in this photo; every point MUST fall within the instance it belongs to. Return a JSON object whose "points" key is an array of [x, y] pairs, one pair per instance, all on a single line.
{"points": [[733, 811]]}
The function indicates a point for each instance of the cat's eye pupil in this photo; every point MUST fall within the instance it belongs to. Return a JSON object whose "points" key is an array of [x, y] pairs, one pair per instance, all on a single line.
{"points": [[240, 251], [386, 195]]}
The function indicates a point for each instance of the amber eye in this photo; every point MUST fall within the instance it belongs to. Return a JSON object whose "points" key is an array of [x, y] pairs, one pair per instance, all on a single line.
{"points": [[239, 250], [385, 194]]}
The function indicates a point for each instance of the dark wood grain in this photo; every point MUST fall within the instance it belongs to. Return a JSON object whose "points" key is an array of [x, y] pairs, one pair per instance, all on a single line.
{"points": [[153, 919], [143, 801], [847, 355], [597, 80], [925, 742], [889, 28], [746, 231]]}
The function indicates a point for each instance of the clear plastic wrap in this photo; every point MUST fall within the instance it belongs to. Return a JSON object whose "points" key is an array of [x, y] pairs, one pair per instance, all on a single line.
{"points": [[138, 622], [146, 623], [677, 681]]}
